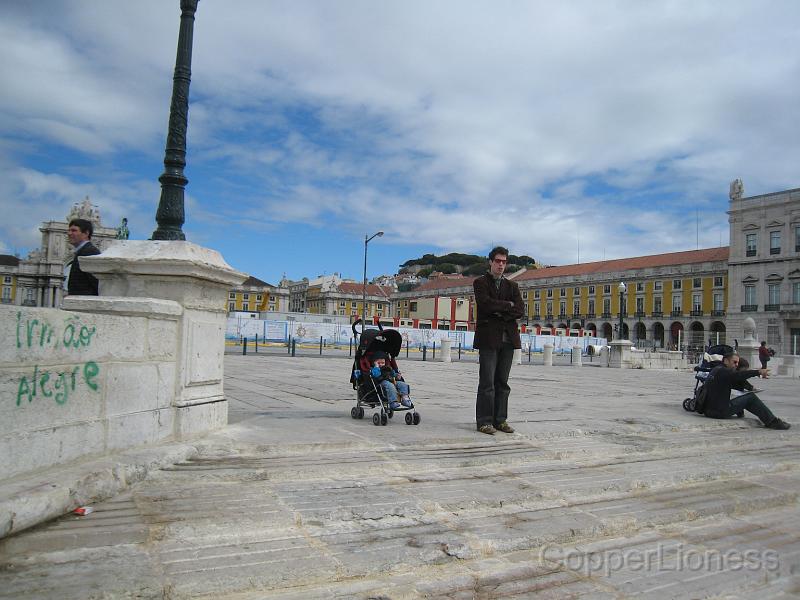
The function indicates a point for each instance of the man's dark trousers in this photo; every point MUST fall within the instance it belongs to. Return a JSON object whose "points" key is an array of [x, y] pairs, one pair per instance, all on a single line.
{"points": [[749, 402], [493, 389]]}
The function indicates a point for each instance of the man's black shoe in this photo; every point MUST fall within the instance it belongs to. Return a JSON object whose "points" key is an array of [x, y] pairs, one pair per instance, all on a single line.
{"points": [[777, 423]]}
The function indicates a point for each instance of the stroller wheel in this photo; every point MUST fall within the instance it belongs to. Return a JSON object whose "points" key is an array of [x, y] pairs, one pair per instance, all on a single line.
{"points": [[409, 418], [686, 404], [390, 413], [384, 419], [354, 412], [376, 419], [416, 418], [360, 414]]}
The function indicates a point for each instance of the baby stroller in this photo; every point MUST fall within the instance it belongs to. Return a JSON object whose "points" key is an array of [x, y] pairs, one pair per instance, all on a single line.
{"points": [[368, 393], [711, 358]]}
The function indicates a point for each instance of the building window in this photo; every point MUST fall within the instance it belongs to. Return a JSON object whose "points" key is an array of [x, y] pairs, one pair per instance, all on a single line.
{"points": [[718, 281], [639, 305], [774, 293], [245, 306], [258, 297], [7, 279], [606, 306], [536, 295], [231, 306], [718, 303], [412, 306], [576, 307], [549, 293], [797, 238], [677, 284], [576, 291], [676, 303], [796, 292], [591, 290], [591, 307], [750, 242], [750, 295], [342, 304], [246, 297], [524, 295], [563, 292], [30, 294], [657, 286], [607, 289], [6, 293], [549, 309], [697, 302], [232, 296], [774, 242], [536, 308], [639, 286], [562, 308], [697, 282], [657, 304]]}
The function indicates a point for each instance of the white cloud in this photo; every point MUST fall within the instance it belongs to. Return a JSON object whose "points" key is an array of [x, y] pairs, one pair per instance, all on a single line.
{"points": [[471, 122]]}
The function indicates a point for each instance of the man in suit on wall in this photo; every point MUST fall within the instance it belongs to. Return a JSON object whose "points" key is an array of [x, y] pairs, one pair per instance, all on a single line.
{"points": [[499, 305], [79, 283]]}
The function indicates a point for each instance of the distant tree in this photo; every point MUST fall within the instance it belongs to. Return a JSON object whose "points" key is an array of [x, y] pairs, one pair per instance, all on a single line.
{"points": [[512, 268], [406, 287], [476, 269], [426, 272], [447, 268]]}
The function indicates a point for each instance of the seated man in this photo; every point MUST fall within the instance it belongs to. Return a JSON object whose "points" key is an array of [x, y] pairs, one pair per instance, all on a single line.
{"points": [[719, 403]]}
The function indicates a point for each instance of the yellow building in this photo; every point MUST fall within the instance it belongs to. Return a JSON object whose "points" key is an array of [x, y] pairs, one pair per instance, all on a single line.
{"points": [[679, 297], [256, 296], [9, 266]]}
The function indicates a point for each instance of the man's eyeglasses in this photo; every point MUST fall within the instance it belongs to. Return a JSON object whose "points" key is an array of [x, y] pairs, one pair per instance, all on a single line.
{"points": [[500, 261]]}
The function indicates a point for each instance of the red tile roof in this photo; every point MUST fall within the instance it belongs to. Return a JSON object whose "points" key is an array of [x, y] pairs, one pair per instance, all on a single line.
{"points": [[347, 287], [444, 284], [627, 264]]}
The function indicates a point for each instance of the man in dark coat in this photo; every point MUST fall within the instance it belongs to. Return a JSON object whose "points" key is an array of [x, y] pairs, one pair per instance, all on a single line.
{"points": [[498, 306], [80, 235], [720, 405]]}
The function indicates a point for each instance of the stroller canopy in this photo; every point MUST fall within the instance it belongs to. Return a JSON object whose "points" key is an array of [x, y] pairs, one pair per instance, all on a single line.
{"points": [[388, 340]]}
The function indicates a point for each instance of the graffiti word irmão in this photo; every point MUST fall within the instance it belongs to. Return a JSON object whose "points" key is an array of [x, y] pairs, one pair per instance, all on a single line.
{"points": [[33, 332]]}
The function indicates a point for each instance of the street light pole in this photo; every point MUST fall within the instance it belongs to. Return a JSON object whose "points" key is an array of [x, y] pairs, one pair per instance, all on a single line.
{"points": [[367, 240], [621, 289], [170, 213]]}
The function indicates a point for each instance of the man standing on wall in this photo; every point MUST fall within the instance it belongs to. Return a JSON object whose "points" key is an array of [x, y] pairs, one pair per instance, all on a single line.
{"points": [[499, 305], [79, 283]]}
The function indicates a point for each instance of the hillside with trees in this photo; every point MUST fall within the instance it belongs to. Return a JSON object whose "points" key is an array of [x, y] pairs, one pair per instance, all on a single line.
{"points": [[466, 264]]}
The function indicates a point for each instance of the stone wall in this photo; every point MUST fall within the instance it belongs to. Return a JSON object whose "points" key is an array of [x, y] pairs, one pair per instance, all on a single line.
{"points": [[75, 384], [644, 359]]}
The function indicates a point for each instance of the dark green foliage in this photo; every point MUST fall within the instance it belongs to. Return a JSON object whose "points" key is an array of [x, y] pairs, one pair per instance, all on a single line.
{"points": [[470, 262]]}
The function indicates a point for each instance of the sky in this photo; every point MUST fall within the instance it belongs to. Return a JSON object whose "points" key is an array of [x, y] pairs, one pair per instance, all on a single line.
{"points": [[567, 131]]}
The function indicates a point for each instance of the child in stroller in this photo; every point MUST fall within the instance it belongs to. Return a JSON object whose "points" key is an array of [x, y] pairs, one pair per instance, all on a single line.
{"points": [[376, 377], [390, 381]]}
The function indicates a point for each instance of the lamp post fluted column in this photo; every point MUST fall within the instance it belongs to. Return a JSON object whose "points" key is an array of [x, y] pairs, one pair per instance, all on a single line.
{"points": [[170, 213], [621, 289], [367, 240]]}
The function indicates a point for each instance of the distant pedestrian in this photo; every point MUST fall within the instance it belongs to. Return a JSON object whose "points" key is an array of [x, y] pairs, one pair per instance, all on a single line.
{"points": [[80, 283], [763, 355], [735, 344], [498, 305]]}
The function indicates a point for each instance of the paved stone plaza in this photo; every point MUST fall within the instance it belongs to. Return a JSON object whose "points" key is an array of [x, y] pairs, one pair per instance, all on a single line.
{"points": [[609, 489]]}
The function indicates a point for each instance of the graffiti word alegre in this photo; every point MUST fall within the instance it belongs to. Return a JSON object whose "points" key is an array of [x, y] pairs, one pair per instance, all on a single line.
{"points": [[57, 385]]}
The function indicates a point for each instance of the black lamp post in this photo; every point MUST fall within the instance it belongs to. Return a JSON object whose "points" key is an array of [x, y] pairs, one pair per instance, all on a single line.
{"points": [[621, 289], [367, 240], [170, 214]]}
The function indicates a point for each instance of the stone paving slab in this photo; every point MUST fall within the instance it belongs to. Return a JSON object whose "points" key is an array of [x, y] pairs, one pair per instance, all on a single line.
{"points": [[297, 500]]}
